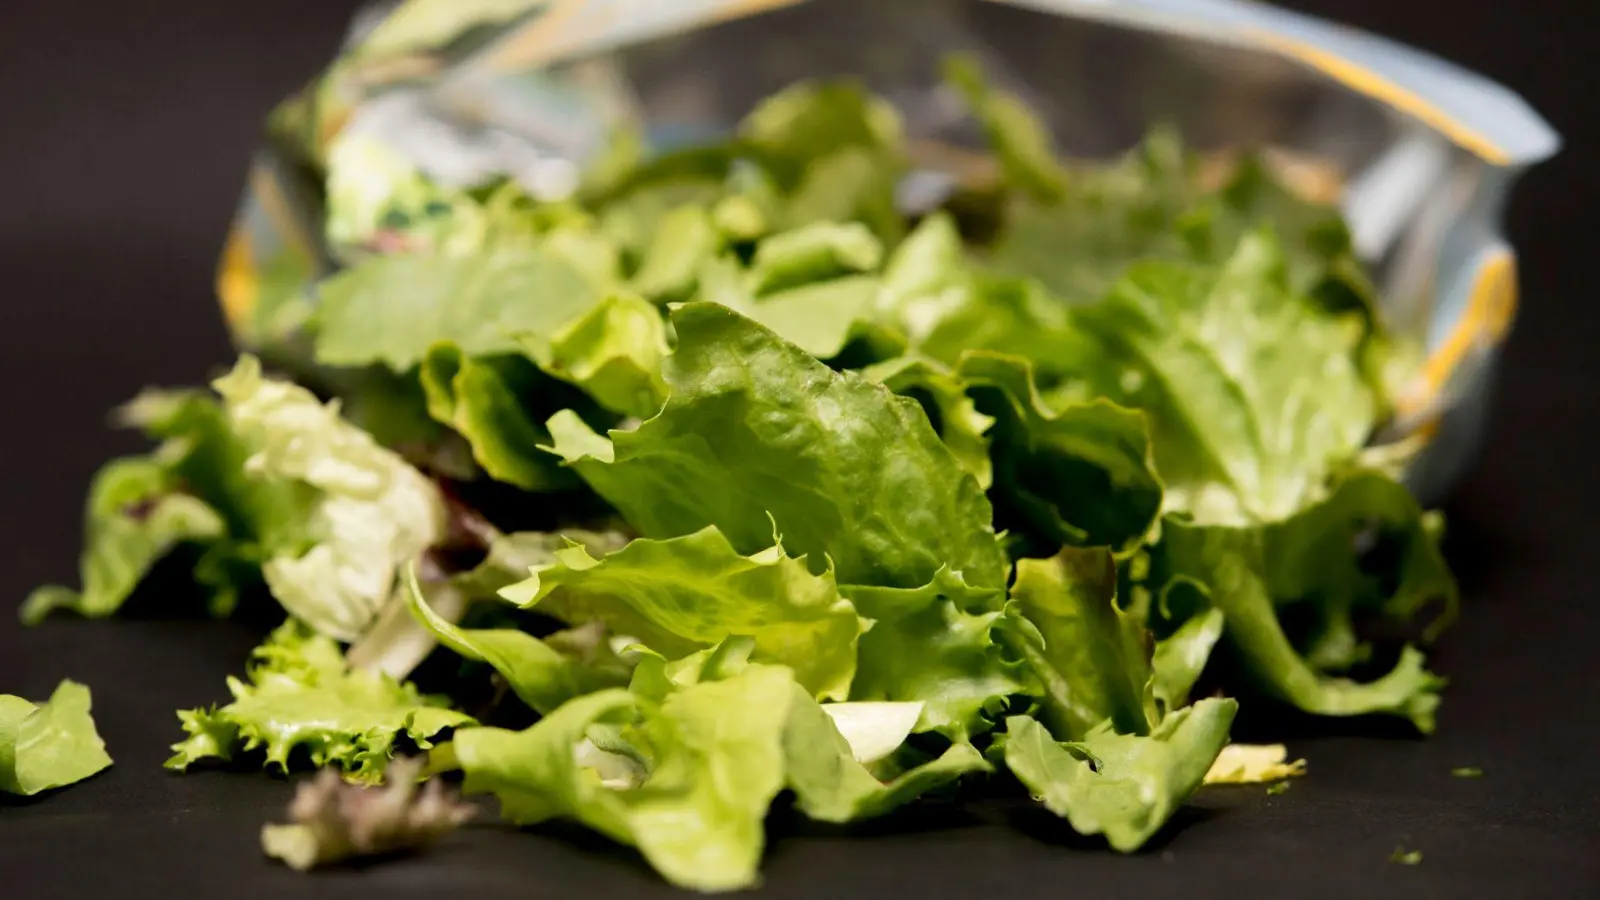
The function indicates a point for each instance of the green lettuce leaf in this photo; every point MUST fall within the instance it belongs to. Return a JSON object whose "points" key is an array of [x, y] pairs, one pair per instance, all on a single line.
{"points": [[48, 745], [301, 694], [1123, 786], [944, 398], [935, 645], [613, 352], [1180, 657], [482, 398], [1251, 573], [832, 785], [810, 121], [816, 252], [717, 756], [1087, 654], [819, 318], [683, 241], [1081, 240], [758, 436], [1083, 475], [1253, 393], [685, 764], [136, 514], [391, 309], [1016, 135], [682, 594], [539, 674]]}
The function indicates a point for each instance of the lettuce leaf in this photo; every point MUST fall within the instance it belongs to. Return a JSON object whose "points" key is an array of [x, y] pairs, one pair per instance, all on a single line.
{"points": [[51, 744], [935, 645], [757, 435], [613, 352], [1019, 139], [1253, 393], [1250, 573], [1082, 475], [1123, 786], [1088, 655], [952, 412], [831, 785], [374, 513], [481, 398], [301, 694], [718, 762], [692, 766], [136, 514], [391, 309], [539, 674], [682, 594]]}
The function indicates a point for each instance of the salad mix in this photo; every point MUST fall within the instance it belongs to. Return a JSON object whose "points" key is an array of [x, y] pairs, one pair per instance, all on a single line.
{"points": [[780, 466]]}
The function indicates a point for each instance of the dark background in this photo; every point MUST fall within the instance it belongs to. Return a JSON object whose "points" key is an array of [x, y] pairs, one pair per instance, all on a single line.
{"points": [[125, 129]]}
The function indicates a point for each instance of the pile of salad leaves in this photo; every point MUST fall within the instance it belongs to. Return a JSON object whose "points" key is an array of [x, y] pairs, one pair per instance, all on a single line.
{"points": [[747, 470]]}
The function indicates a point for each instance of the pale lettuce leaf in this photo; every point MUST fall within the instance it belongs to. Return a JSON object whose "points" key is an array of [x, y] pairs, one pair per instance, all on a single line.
{"points": [[51, 744]]}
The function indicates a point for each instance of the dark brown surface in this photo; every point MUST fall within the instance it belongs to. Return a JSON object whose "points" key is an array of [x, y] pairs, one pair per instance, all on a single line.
{"points": [[124, 133]]}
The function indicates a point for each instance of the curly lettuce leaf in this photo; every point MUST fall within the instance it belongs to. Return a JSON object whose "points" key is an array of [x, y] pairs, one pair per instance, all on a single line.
{"points": [[758, 435], [683, 594], [332, 821], [51, 744], [374, 512], [1251, 573], [1122, 786], [300, 694]]}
